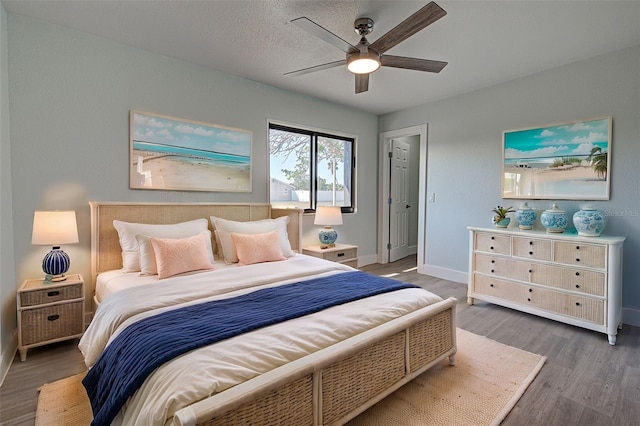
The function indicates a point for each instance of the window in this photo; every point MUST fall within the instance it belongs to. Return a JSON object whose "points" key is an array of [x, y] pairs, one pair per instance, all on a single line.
{"points": [[310, 169]]}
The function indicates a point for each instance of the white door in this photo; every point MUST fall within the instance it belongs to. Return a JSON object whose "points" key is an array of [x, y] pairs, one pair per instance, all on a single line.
{"points": [[399, 201]]}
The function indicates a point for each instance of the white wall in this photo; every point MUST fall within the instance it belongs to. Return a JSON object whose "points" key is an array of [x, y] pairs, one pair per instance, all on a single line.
{"points": [[464, 158], [70, 98]]}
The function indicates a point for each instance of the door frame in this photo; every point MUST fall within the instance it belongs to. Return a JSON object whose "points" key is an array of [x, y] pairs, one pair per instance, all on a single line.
{"points": [[383, 186]]}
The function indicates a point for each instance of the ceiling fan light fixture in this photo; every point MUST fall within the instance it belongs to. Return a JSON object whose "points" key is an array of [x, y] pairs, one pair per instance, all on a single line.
{"points": [[363, 63]]}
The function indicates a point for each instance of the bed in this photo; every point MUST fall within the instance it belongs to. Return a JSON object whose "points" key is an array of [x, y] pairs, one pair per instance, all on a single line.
{"points": [[322, 375]]}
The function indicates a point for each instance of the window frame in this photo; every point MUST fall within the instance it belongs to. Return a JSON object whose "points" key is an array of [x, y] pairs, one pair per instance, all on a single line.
{"points": [[314, 134]]}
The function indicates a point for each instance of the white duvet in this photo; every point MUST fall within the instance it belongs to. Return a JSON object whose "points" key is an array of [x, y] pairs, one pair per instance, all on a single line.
{"points": [[212, 369]]}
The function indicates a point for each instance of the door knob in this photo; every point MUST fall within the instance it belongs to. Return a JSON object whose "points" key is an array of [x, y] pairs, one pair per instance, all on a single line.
{"points": [[408, 206]]}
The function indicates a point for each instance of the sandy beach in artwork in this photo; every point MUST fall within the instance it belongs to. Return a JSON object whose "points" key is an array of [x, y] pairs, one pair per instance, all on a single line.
{"points": [[177, 172], [558, 181]]}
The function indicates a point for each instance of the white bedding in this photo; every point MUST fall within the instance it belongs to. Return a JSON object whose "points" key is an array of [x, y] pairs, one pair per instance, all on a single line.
{"points": [[214, 368]]}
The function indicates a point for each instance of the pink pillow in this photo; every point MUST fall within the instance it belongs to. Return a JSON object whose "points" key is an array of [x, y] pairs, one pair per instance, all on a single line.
{"points": [[257, 248], [177, 255]]}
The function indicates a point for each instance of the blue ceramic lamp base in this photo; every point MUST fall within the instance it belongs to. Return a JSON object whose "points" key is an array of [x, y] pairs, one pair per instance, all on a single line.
{"points": [[327, 237], [55, 264]]}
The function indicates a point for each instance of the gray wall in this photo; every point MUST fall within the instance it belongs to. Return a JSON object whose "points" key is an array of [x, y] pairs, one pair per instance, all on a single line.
{"points": [[70, 96], [465, 142], [7, 274]]}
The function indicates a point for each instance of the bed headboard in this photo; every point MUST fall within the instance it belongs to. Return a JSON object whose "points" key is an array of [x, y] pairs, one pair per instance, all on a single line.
{"points": [[105, 246]]}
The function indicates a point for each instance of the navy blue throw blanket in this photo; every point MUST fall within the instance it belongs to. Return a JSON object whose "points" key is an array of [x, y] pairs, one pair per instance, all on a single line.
{"points": [[150, 342]]}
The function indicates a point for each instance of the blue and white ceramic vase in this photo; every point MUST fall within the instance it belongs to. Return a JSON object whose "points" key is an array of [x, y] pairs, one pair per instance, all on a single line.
{"points": [[526, 216], [554, 220], [589, 222]]}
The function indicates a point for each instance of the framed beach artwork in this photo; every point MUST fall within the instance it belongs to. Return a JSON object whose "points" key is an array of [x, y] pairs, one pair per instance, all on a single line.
{"points": [[567, 161], [171, 153]]}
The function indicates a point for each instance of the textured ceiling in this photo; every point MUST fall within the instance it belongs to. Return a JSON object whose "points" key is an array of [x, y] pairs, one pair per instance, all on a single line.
{"points": [[485, 42]]}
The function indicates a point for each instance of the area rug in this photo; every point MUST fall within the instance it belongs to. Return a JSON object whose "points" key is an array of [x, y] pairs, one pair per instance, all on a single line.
{"points": [[481, 389]]}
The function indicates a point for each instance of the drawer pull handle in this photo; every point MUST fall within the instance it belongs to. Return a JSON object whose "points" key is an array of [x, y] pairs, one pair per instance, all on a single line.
{"points": [[53, 293], [528, 299], [577, 247], [53, 317], [530, 270], [530, 290], [492, 271], [577, 303], [340, 254], [577, 274], [493, 261], [577, 259], [577, 285], [531, 253], [530, 243], [493, 238], [491, 247]]}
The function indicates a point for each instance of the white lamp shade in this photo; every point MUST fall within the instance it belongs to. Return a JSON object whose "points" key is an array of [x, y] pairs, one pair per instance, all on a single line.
{"points": [[328, 215], [54, 228]]}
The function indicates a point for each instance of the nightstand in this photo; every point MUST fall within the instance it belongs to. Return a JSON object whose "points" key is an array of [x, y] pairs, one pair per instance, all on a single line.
{"points": [[49, 312], [341, 253]]}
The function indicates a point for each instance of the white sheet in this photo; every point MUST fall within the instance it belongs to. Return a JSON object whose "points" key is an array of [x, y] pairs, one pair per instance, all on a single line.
{"points": [[212, 369]]}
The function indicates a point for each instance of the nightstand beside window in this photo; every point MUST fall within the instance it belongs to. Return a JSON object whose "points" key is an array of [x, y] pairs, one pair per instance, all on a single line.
{"points": [[49, 312], [346, 254]]}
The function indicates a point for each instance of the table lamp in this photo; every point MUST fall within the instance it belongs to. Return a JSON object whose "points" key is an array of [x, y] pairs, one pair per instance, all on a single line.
{"points": [[327, 216], [55, 228]]}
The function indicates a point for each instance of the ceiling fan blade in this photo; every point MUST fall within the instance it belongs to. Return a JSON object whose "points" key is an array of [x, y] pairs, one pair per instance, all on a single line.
{"points": [[414, 23], [324, 34], [317, 68], [427, 65], [362, 83]]}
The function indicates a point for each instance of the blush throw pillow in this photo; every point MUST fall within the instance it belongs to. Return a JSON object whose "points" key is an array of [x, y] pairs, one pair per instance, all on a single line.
{"points": [[258, 248], [127, 232], [178, 255], [224, 228], [148, 256]]}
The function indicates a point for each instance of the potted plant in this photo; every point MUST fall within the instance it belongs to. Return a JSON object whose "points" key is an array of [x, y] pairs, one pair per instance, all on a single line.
{"points": [[500, 218]]}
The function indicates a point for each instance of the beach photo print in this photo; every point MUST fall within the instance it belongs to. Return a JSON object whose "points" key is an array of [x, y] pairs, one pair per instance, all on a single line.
{"points": [[568, 161], [171, 153]]}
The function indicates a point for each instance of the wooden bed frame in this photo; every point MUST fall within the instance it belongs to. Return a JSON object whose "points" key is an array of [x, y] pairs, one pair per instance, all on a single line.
{"points": [[328, 387]]}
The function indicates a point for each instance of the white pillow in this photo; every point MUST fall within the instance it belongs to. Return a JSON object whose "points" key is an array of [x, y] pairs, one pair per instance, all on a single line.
{"points": [[224, 228], [127, 232], [148, 265]]}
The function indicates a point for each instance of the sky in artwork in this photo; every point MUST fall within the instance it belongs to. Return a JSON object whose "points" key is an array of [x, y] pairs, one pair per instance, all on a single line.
{"points": [[190, 135], [567, 140]]}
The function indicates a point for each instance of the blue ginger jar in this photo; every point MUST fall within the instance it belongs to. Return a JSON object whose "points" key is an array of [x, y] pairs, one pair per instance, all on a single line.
{"points": [[554, 220], [589, 222], [526, 216]]}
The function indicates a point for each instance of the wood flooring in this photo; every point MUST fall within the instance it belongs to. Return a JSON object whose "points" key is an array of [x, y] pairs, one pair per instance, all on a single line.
{"points": [[585, 381]]}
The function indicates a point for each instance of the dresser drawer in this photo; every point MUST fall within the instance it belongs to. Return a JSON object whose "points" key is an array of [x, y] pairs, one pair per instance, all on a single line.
{"points": [[575, 306], [493, 243], [51, 295], [566, 278], [532, 248], [51, 322], [500, 288], [589, 255]]}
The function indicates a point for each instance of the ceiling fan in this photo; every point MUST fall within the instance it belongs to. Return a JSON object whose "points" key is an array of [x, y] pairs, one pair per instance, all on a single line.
{"points": [[366, 58]]}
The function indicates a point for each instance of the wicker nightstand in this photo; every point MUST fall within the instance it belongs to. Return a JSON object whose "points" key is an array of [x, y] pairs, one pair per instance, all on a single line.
{"points": [[49, 312], [341, 253]]}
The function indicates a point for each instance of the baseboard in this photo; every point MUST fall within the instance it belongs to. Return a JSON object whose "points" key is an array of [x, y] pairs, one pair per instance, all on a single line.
{"points": [[631, 316], [7, 356], [367, 260], [444, 273]]}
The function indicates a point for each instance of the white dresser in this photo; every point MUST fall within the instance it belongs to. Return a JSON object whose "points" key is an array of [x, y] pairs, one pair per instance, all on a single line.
{"points": [[564, 277]]}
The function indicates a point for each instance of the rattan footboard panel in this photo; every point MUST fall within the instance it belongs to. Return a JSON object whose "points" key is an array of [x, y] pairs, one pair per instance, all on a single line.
{"points": [[291, 404], [429, 339], [350, 383]]}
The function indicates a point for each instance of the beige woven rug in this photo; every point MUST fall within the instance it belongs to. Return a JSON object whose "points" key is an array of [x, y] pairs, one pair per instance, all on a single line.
{"points": [[481, 389]]}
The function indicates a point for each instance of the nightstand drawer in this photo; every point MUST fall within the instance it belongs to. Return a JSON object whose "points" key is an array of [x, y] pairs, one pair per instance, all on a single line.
{"points": [[341, 255], [51, 322], [51, 295]]}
